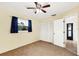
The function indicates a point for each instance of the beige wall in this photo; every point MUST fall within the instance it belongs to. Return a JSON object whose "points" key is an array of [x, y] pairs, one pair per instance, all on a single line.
{"points": [[10, 41]]}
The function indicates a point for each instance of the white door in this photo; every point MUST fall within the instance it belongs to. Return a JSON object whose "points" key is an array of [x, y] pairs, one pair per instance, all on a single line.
{"points": [[59, 33], [46, 32]]}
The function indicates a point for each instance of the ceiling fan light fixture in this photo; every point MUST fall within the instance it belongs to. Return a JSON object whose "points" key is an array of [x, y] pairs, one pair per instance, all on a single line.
{"points": [[39, 7]]}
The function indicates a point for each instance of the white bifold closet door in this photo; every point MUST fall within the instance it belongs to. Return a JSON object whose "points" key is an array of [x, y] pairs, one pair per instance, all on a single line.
{"points": [[59, 33], [46, 33]]}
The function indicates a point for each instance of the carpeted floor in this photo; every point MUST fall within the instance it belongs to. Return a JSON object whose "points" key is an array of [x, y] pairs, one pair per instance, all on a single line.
{"points": [[39, 48]]}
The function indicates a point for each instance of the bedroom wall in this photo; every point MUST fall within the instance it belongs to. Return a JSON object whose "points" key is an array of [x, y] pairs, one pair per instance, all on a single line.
{"points": [[10, 41]]}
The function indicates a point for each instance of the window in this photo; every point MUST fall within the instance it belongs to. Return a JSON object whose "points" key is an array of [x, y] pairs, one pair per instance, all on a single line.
{"points": [[22, 25], [70, 31], [18, 24]]}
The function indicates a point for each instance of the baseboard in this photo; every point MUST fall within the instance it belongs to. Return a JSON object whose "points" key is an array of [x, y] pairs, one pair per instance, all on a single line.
{"points": [[18, 47], [46, 41]]}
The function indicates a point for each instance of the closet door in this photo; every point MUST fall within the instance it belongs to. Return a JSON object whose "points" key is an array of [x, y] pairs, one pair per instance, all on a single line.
{"points": [[59, 37], [46, 32]]}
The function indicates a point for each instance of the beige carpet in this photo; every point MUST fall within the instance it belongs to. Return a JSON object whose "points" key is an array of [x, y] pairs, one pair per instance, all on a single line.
{"points": [[39, 48]]}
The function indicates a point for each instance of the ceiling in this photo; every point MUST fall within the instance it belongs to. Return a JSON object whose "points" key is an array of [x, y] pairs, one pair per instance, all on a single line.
{"points": [[20, 8]]}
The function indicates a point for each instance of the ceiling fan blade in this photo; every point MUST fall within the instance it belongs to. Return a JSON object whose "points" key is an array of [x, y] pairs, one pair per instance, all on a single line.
{"points": [[36, 3], [46, 6], [31, 8], [43, 10], [35, 12]]}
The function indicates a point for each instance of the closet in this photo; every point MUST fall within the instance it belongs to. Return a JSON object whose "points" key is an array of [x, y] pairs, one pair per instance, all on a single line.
{"points": [[46, 33]]}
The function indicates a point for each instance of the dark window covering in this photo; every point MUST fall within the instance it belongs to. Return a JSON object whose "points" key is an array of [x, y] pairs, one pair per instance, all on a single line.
{"points": [[14, 24], [29, 26], [70, 37]]}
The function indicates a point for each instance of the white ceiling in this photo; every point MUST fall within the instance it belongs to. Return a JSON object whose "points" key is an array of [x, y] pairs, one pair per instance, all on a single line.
{"points": [[20, 7]]}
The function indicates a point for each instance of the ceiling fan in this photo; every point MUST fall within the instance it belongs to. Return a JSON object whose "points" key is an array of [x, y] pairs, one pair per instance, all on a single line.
{"points": [[39, 6]]}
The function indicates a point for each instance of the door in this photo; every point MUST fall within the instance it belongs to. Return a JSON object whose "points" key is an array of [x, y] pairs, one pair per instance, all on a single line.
{"points": [[46, 32], [59, 35]]}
